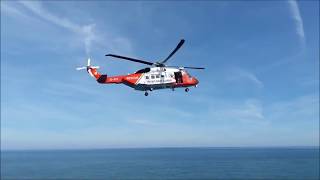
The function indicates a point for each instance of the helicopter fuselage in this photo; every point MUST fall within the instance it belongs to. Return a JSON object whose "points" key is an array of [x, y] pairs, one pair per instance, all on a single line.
{"points": [[149, 79]]}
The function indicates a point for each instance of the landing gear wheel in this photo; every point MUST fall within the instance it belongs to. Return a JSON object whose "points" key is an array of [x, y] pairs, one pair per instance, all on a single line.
{"points": [[186, 90], [146, 93]]}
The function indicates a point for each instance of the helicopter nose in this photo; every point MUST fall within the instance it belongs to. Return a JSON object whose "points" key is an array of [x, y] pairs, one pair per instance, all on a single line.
{"points": [[195, 81]]}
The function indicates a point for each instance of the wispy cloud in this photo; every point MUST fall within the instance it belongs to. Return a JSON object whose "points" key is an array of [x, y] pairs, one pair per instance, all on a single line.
{"points": [[8, 9], [238, 74], [295, 13], [143, 122], [88, 33], [250, 110], [85, 31], [304, 108]]}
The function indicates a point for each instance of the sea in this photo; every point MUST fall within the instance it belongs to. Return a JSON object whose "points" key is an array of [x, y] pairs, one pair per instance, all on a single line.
{"points": [[163, 163]]}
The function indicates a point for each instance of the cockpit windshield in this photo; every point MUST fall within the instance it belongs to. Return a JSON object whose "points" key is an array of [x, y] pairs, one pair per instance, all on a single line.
{"points": [[185, 72], [145, 70]]}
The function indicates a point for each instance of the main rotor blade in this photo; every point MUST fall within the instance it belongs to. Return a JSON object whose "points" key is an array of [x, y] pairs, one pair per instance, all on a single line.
{"points": [[174, 51], [193, 67], [187, 67], [130, 59]]}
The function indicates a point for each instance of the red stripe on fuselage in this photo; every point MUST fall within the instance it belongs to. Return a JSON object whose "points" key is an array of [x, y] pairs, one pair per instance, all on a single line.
{"points": [[132, 79], [128, 79], [114, 79]]}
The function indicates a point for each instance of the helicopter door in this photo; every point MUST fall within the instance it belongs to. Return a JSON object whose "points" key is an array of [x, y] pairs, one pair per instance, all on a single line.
{"points": [[178, 76]]}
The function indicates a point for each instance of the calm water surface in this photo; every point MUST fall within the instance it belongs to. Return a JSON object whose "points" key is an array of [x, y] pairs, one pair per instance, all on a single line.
{"points": [[163, 163]]}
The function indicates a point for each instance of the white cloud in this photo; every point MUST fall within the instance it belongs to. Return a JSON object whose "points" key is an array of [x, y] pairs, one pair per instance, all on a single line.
{"points": [[295, 12], [250, 110], [237, 74], [8, 9], [143, 122], [304, 108], [85, 31], [88, 34]]}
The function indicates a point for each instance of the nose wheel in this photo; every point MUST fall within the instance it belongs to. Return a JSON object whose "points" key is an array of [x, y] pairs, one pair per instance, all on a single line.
{"points": [[186, 90], [146, 93]]}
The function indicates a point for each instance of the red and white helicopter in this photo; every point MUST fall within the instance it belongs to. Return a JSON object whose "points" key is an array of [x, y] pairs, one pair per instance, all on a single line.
{"points": [[158, 76]]}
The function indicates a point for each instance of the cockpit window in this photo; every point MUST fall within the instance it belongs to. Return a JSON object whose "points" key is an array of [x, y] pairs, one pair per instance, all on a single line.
{"points": [[145, 70], [185, 72]]}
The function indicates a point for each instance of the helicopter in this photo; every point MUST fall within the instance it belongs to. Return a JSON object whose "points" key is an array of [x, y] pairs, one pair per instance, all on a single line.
{"points": [[156, 76]]}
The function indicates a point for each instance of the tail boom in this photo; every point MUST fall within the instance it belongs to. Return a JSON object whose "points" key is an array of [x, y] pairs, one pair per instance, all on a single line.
{"points": [[103, 78]]}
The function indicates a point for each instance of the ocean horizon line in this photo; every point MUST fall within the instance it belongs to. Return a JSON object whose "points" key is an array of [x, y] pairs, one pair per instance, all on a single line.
{"points": [[161, 147]]}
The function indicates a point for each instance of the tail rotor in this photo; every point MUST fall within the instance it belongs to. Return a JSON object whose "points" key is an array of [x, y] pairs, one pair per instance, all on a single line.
{"points": [[88, 66]]}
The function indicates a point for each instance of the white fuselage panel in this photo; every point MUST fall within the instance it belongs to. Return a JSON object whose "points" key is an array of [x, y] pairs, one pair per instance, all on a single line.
{"points": [[158, 75]]}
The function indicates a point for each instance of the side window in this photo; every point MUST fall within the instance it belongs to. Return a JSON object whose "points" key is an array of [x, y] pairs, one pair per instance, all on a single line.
{"points": [[147, 77], [157, 76], [152, 76], [162, 75]]}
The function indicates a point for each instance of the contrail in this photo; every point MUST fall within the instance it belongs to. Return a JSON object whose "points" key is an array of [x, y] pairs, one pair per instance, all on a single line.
{"points": [[295, 12]]}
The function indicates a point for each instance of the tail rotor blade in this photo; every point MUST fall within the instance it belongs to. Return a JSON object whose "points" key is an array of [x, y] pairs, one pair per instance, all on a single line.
{"points": [[80, 68], [88, 65]]}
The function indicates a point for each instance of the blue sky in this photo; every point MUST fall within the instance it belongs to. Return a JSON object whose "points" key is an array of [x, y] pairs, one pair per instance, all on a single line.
{"points": [[260, 86]]}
